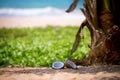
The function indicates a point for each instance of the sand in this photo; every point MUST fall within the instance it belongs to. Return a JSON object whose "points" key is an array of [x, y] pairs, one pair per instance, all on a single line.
{"points": [[11, 22], [82, 73]]}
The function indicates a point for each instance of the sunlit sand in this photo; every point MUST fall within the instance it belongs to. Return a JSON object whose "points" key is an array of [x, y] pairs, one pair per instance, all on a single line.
{"points": [[38, 22]]}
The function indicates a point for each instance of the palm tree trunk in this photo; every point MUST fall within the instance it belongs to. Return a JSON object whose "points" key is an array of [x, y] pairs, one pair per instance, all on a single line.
{"points": [[105, 47], [103, 22]]}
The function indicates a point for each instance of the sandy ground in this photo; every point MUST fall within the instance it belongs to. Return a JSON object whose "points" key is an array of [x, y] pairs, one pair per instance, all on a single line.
{"points": [[38, 22], [82, 73]]}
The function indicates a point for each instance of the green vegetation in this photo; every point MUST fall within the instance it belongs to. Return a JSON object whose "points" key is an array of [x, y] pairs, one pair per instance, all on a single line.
{"points": [[36, 47]]}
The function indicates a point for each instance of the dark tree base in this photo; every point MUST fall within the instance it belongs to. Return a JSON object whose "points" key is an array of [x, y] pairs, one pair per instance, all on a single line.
{"points": [[106, 51]]}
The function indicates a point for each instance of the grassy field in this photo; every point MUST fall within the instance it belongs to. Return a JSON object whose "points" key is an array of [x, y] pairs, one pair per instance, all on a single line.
{"points": [[35, 47]]}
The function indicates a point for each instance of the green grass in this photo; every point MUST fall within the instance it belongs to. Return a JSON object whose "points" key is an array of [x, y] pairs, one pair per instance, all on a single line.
{"points": [[35, 47]]}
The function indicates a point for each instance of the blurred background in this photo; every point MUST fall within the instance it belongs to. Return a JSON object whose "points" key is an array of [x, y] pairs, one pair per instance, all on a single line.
{"points": [[30, 13]]}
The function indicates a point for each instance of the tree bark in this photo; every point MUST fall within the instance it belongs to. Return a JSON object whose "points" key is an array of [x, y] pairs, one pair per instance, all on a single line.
{"points": [[103, 22], [105, 45]]}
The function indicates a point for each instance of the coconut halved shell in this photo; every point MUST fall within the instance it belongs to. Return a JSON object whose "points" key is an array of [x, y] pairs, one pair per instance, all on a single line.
{"points": [[70, 64], [57, 65]]}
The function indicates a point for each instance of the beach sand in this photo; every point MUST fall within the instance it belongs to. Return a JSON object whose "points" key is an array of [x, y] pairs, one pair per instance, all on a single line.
{"points": [[82, 73], [20, 22]]}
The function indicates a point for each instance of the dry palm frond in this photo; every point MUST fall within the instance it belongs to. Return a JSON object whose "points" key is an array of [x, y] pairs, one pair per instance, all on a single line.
{"points": [[78, 37], [90, 11], [72, 6]]}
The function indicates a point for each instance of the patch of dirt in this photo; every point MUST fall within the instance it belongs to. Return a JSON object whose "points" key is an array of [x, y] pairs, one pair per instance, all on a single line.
{"points": [[82, 73]]}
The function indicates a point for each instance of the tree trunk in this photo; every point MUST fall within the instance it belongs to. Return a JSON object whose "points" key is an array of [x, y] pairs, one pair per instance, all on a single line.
{"points": [[103, 22], [105, 44]]}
